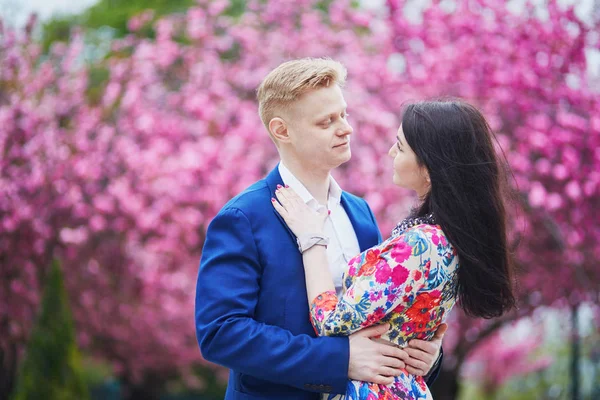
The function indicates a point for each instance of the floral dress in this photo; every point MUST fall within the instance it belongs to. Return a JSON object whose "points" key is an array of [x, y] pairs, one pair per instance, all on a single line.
{"points": [[408, 281]]}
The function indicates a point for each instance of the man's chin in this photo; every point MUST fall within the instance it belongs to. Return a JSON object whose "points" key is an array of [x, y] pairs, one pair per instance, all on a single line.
{"points": [[344, 159]]}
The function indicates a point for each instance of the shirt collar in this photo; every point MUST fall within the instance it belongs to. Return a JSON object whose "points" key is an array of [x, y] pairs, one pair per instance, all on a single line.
{"points": [[335, 191]]}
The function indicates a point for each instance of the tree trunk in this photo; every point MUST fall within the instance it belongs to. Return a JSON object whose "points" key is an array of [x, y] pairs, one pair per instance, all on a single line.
{"points": [[575, 354], [148, 389], [141, 393], [8, 371], [445, 386]]}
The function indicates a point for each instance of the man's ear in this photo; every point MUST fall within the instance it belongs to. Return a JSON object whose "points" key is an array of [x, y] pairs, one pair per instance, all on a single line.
{"points": [[279, 130]]}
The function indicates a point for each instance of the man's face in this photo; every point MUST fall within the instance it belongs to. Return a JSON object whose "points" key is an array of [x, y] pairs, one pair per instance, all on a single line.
{"points": [[318, 128]]}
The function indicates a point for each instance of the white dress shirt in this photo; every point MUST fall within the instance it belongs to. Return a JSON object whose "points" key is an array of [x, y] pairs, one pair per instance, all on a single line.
{"points": [[343, 243]]}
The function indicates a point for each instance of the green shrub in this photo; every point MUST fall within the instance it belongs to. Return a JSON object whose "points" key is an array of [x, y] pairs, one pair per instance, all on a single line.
{"points": [[52, 366]]}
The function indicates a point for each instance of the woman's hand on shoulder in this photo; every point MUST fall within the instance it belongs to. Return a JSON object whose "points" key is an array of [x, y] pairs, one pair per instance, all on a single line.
{"points": [[299, 217]]}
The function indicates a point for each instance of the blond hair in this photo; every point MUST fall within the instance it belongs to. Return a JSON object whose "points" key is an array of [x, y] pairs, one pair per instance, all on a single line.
{"points": [[286, 83]]}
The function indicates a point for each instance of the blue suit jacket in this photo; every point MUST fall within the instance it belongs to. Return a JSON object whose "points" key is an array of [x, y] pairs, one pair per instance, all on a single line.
{"points": [[252, 312]]}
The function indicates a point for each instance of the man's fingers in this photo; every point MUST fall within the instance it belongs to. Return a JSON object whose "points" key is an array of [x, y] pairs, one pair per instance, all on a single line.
{"points": [[423, 345], [387, 371], [393, 351], [383, 380], [374, 331], [417, 353], [415, 371], [393, 362], [441, 331], [416, 364]]}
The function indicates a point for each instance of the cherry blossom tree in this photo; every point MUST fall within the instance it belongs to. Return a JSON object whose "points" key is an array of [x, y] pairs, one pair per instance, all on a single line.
{"points": [[121, 186], [529, 72]]}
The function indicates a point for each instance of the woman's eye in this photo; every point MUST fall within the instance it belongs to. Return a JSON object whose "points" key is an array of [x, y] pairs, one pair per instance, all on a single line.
{"points": [[398, 146]]}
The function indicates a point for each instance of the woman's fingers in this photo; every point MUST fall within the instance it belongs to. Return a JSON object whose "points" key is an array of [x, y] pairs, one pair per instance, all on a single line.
{"points": [[279, 208], [292, 195], [290, 200], [282, 195], [299, 217]]}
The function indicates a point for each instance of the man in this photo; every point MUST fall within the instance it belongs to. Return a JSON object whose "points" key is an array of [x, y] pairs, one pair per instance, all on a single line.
{"points": [[252, 311]]}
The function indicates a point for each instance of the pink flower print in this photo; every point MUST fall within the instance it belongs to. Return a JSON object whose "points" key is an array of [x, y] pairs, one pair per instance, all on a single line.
{"points": [[319, 315], [443, 239], [374, 296], [383, 272], [435, 239], [401, 251], [421, 383], [391, 298], [399, 275]]}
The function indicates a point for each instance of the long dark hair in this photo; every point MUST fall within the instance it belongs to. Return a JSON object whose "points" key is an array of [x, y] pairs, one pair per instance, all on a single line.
{"points": [[454, 142]]}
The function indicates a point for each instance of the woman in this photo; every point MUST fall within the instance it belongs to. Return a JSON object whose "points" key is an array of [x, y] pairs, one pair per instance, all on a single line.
{"points": [[453, 246]]}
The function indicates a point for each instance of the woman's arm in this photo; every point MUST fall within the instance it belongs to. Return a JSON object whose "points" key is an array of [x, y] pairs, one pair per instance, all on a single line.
{"points": [[386, 279], [316, 272]]}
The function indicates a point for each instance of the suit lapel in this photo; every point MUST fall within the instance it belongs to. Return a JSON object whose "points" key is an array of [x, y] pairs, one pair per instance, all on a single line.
{"points": [[274, 179], [359, 228]]}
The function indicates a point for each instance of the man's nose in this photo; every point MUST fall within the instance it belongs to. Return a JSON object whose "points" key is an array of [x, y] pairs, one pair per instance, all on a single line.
{"points": [[346, 129]]}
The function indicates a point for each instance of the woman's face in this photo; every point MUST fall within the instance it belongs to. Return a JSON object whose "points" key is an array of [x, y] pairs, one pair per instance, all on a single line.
{"points": [[407, 171]]}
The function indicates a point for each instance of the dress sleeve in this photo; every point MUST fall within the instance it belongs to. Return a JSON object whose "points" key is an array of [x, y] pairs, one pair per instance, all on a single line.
{"points": [[383, 279]]}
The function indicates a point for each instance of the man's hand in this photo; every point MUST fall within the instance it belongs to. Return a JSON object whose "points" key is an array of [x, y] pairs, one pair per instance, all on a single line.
{"points": [[423, 354], [374, 362]]}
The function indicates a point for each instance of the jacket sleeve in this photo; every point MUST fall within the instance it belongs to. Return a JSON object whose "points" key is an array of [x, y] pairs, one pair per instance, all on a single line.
{"points": [[387, 278], [435, 370], [226, 297]]}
